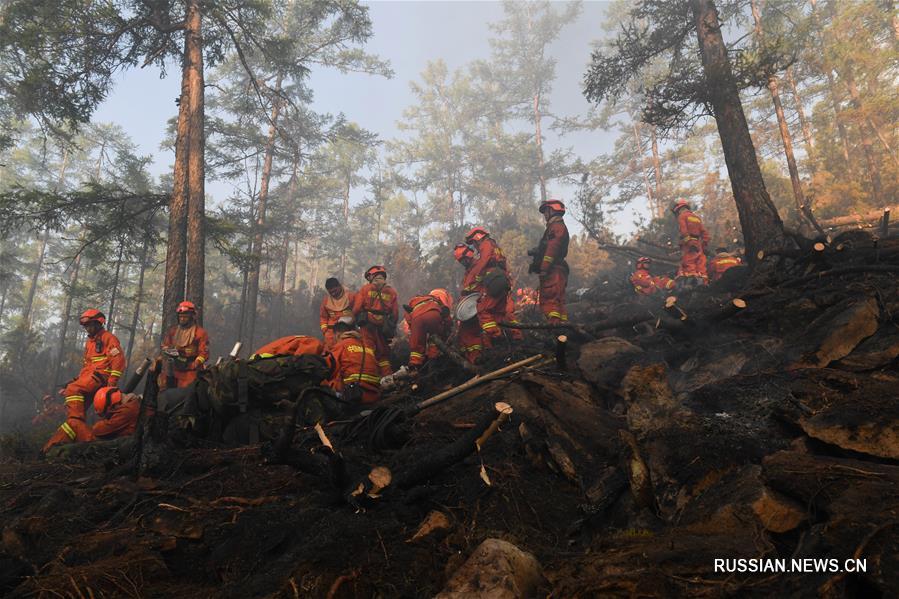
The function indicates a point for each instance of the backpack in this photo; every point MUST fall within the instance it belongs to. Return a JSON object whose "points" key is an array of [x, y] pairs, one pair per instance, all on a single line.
{"points": [[496, 283], [235, 387]]}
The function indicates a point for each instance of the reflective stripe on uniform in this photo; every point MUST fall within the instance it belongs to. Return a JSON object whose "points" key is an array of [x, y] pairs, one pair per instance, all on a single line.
{"points": [[113, 372], [471, 348], [488, 325], [547, 258], [98, 358], [74, 398], [357, 349], [201, 359], [383, 363], [365, 378], [68, 430]]}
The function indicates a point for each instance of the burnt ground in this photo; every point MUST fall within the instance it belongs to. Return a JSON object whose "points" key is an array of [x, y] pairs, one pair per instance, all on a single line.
{"points": [[770, 432]]}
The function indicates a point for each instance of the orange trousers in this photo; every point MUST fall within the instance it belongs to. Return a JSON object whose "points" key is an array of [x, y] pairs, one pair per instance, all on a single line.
{"points": [[491, 312], [692, 260], [374, 338], [74, 429], [183, 378], [428, 323], [470, 339], [552, 295]]}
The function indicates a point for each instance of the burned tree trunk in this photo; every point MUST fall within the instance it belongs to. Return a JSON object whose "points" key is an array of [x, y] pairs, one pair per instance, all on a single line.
{"points": [[32, 290], [803, 121], [138, 298], [115, 288], [66, 315], [762, 227]]}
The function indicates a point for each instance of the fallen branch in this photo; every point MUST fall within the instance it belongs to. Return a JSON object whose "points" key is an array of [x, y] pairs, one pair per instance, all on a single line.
{"points": [[546, 326], [842, 271], [453, 355], [437, 461], [478, 380]]}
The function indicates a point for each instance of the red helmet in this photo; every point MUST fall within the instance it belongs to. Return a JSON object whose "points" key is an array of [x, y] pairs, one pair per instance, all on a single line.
{"points": [[554, 205], [92, 314], [476, 234], [679, 204], [643, 261], [443, 296], [105, 398], [186, 307], [375, 270], [462, 251]]}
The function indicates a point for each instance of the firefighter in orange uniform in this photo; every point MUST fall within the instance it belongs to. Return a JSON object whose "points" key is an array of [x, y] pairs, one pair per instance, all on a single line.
{"points": [[375, 308], [103, 364], [645, 283], [470, 334], [191, 342], [722, 262], [358, 376], [693, 241], [490, 273], [549, 262], [427, 315], [337, 302], [292, 345], [118, 413]]}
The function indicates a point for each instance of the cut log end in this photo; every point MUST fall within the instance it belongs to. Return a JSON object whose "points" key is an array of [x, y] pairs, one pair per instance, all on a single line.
{"points": [[380, 477], [819, 247], [739, 303], [670, 301], [503, 408], [760, 255]]}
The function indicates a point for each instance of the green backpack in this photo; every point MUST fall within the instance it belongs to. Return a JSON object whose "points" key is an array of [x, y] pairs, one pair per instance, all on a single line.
{"points": [[260, 383]]}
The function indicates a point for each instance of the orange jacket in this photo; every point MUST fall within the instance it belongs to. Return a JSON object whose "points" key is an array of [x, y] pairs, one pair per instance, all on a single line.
{"points": [[721, 263], [422, 304], [356, 363], [691, 227], [470, 284], [103, 356], [646, 284], [489, 256], [121, 423], [327, 317], [195, 353], [292, 345], [377, 304], [555, 237]]}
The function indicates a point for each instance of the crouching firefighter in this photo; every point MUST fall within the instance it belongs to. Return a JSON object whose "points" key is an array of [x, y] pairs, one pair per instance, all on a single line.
{"points": [[102, 366], [117, 411], [357, 375], [427, 315]]}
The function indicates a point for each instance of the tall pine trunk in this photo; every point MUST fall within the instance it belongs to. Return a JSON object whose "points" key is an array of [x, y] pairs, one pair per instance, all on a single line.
{"points": [[196, 181], [65, 317], [138, 298], [867, 144], [259, 227], [657, 171], [115, 289], [761, 225], [638, 150], [785, 137], [32, 290], [803, 121]]}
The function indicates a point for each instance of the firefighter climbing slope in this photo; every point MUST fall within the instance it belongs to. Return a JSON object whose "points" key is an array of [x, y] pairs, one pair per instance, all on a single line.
{"points": [[102, 366], [375, 309], [549, 262], [187, 345]]}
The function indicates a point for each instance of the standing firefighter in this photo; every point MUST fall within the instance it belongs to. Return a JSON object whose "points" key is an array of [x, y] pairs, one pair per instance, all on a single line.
{"points": [[103, 364], [693, 241], [489, 272], [358, 376], [187, 344], [549, 262], [375, 309], [337, 303], [645, 283], [470, 335], [427, 315]]}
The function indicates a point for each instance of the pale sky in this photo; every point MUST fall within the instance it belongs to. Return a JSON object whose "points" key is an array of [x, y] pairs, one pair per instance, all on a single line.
{"points": [[408, 34]]}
